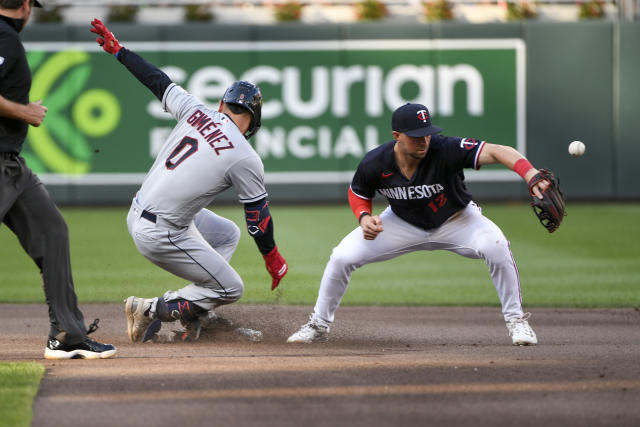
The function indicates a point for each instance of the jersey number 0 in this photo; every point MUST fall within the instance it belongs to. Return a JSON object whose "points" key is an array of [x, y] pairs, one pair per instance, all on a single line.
{"points": [[172, 162]]}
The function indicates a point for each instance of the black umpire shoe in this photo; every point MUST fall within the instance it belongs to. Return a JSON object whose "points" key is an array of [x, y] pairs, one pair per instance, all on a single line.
{"points": [[88, 349]]}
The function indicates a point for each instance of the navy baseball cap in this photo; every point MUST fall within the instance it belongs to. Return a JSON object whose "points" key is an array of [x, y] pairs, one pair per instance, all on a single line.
{"points": [[414, 120]]}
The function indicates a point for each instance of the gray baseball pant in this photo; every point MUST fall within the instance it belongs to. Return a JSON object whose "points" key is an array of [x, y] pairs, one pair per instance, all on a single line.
{"points": [[199, 253]]}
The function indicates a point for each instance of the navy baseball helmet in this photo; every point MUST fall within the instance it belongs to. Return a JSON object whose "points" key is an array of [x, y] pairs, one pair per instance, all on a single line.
{"points": [[414, 120], [248, 96]]}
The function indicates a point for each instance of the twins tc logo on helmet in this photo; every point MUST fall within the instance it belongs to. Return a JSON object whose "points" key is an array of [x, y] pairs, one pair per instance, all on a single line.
{"points": [[423, 115], [468, 143]]}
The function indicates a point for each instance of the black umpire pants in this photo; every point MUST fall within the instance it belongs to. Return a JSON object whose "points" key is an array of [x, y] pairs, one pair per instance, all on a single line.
{"points": [[27, 209]]}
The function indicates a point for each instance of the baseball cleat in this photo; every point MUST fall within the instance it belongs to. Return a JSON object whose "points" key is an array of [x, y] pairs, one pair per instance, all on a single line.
{"points": [[520, 331], [87, 349], [137, 320], [310, 332]]}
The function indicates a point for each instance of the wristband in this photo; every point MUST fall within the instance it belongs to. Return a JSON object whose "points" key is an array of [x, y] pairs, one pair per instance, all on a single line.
{"points": [[521, 167], [359, 205], [362, 215]]}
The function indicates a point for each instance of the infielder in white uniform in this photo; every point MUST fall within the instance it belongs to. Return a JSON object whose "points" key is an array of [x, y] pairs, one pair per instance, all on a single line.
{"points": [[206, 153], [420, 174]]}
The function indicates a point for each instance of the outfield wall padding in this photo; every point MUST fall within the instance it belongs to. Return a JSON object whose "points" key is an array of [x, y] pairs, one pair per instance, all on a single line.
{"points": [[580, 83]]}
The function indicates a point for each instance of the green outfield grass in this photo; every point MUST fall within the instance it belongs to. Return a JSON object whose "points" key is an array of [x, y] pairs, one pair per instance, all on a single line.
{"points": [[593, 260], [18, 387]]}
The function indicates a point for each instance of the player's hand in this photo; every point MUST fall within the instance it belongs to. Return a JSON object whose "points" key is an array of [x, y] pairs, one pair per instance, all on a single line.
{"points": [[276, 266], [371, 226], [34, 113], [538, 188], [107, 40]]}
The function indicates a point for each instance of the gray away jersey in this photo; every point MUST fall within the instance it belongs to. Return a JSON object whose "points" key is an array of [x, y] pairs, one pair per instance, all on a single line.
{"points": [[204, 155]]}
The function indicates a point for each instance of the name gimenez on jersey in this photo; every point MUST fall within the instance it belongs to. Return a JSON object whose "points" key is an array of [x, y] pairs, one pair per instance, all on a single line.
{"points": [[412, 192], [203, 125]]}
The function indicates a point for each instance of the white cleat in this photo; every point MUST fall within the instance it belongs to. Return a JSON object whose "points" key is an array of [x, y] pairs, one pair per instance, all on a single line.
{"points": [[520, 331], [310, 332], [137, 321]]}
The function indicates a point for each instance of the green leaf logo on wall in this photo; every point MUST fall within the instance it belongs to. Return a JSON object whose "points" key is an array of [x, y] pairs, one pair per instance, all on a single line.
{"points": [[60, 144]]}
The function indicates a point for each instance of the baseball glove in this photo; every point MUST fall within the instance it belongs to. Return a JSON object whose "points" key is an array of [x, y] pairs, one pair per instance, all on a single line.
{"points": [[550, 210]]}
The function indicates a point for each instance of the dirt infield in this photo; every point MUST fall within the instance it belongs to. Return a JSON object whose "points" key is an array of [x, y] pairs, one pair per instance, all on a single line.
{"points": [[381, 367]]}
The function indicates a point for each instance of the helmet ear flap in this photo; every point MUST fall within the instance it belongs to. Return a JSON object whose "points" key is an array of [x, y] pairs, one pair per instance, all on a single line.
{"points": [[253, 127], [248, 96]]}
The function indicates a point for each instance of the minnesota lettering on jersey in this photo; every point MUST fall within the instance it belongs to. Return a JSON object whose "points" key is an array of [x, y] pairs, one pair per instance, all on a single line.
{"points": [[208, 128], [412, 192]]}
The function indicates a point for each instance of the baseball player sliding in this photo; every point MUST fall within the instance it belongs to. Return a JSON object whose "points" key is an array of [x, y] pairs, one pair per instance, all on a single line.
{"points": [[420, 174], [206, 153]]}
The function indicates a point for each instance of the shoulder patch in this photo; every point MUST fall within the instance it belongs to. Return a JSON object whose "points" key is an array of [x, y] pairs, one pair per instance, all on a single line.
{"points": [[468, 143]]}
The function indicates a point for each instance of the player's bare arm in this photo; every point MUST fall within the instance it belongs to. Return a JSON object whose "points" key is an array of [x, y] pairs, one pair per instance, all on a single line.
{"points": [[32, 113], [511, 158]]}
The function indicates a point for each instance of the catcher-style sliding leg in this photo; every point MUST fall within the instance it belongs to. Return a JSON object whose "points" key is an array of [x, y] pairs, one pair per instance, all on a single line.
{"points": [[144, 317], [186, 312]]}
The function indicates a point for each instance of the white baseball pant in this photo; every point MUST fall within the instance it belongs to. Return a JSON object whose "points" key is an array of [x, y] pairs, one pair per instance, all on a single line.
{"points": [[199, 253], [467, 233]]}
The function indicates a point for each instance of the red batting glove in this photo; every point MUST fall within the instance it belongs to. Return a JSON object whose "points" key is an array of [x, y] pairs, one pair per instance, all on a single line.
{"points": [[276, 266], [107, 40]]}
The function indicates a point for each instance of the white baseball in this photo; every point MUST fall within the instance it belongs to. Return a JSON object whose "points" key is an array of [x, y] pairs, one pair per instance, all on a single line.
{"points": [[576, 148]]}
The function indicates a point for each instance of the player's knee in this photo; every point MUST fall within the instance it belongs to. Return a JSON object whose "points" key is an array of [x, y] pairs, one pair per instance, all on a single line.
{"points": [[55, 228], [343, 259], [494, 249], [238, 292], [234, 290], [234, 235]]}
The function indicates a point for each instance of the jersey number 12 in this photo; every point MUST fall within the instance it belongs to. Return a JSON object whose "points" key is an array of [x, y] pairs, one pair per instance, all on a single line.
{"points": [[439, 202]]}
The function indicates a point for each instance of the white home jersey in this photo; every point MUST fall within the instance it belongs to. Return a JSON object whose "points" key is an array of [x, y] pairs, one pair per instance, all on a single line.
{"points": [[204, 155]]}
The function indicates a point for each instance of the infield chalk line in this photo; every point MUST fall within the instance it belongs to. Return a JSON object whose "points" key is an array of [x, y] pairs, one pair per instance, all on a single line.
{"points": [[375, 390]]}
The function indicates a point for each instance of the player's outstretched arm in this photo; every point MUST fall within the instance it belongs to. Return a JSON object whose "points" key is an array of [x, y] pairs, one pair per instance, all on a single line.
{"points": [[260, 227], [511, 158], [548, 201], [148, 74]]}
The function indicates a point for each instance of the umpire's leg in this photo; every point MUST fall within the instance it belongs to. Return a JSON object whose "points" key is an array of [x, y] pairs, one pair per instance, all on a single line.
{"points": [[43, 234]]}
